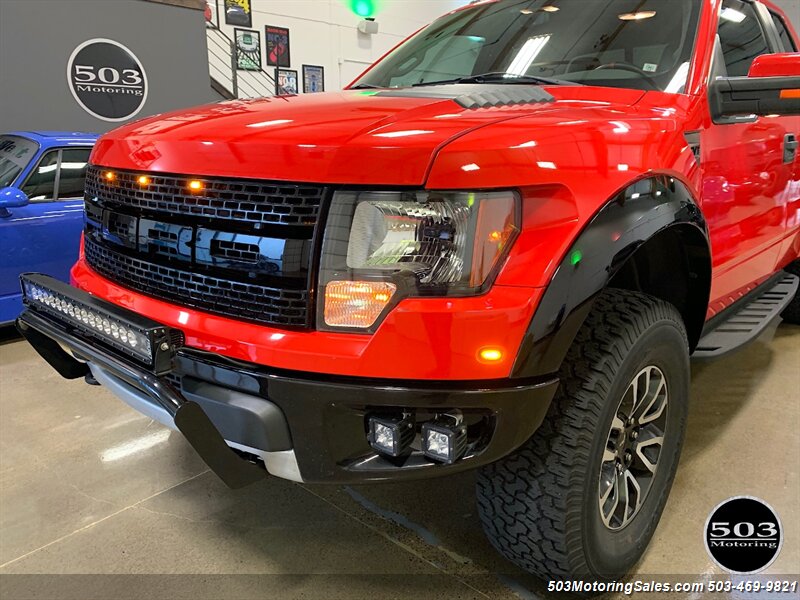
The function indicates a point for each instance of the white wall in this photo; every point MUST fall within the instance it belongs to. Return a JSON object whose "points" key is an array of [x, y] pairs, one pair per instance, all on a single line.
{"points": [[323, 32]]}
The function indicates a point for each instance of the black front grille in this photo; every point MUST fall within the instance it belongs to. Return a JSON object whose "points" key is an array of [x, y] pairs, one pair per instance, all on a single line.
{"points": [[241, 200], [251, 261]]}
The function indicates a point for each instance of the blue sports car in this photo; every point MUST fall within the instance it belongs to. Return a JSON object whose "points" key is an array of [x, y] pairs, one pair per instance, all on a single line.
{"points": [[41, 207]]}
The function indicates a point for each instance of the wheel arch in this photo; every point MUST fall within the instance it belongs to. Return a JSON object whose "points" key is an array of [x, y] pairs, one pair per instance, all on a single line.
{"points": [[651, 237]]}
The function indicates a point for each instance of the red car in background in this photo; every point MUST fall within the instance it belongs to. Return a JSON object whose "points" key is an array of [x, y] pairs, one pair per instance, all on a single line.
{"points": [[497, 249]]}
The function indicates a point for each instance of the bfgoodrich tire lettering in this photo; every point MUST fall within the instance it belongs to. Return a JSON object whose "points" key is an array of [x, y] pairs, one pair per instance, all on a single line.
{"points": [[539, 506]]}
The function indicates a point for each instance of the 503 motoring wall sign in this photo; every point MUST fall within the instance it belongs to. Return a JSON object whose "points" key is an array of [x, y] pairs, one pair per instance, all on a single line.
{"points": [[107, 80]]}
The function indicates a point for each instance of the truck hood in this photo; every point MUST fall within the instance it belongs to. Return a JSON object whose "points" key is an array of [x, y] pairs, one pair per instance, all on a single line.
{"points": [[387, 137]]}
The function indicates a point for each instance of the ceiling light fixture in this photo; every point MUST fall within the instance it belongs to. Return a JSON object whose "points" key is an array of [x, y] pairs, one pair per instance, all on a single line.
{"points": [[404, 133], [527, 54], [732, 15], [637, 16]]}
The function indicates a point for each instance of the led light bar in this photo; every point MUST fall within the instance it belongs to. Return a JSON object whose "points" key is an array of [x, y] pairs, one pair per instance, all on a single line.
{"points": [[146, 341]]}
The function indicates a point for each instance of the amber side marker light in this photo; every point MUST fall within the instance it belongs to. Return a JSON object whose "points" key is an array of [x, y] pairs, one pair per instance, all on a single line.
{"points": [[109, 176], [356, 303], [790, 94], [490, 355], [143, 180], [195, 185]]}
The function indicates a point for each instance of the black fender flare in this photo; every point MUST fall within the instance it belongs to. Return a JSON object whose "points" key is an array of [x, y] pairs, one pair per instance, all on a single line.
{"points": [[635, 215]]}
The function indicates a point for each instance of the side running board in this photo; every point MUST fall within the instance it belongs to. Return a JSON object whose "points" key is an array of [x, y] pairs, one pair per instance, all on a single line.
{"points": [[748, 322]]}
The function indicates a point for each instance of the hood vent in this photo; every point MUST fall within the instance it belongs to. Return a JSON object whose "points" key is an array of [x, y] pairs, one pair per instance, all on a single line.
{"points": [[477, 95]]}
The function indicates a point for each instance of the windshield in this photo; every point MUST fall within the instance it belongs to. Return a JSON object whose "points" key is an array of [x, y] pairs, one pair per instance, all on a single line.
{"points": [[641, 44], [15, 153]]}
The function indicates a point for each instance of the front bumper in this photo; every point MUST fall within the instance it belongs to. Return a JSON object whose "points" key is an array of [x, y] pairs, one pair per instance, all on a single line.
{"points": [[301, 426], [421, 338]]}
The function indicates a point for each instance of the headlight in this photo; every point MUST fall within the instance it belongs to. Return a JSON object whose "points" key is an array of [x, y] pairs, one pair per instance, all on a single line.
{"points": [[383, 246]]}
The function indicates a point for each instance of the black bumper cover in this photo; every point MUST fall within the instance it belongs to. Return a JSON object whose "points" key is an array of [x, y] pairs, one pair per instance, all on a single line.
{"points": [[326, 415]]}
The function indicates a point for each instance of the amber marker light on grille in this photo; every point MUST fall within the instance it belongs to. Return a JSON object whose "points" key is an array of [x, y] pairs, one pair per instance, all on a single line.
{"points": [[143, 180], [195, 185], [490, 355], [109, 176], [356, 303]]}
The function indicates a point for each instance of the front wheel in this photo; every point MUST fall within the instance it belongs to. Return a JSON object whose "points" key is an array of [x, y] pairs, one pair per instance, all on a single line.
{"points": [[583, 496]]}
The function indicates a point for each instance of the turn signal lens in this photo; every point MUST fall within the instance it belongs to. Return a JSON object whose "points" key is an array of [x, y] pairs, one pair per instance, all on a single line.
{"points": [[490, 355], [195, 185], [109, 176], [143, 180], [356, 303], [496, 227]]}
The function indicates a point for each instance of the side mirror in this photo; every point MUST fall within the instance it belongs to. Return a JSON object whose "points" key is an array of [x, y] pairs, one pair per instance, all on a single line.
{"points": [[772, 87], [776, 65], [11, 197]]}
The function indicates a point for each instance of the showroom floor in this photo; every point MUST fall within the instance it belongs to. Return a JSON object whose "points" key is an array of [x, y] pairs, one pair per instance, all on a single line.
{"points": [[87, 486]]}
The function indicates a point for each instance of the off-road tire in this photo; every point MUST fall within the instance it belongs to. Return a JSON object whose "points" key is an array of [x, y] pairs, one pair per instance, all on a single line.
{"points": [[791, 314], [539, 506]]}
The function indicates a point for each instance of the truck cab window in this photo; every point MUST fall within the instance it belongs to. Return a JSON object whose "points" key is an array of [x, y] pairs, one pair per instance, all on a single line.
{"points": [[741, 37], [636, 44], [783, 33]]}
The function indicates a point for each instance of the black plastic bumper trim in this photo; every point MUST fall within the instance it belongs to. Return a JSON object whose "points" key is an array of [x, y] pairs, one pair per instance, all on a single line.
{"points": [[243, 418], [327, 415]]}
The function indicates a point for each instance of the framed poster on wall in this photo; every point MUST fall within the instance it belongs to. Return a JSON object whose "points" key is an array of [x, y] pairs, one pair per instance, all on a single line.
{"points": [[285, 82], [313, 79], [212, 13], [248, 49], [238, 12], [278, 47]]}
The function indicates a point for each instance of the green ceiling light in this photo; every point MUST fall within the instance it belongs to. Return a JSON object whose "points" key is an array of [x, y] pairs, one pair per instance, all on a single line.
{"points": [[363, 8]]}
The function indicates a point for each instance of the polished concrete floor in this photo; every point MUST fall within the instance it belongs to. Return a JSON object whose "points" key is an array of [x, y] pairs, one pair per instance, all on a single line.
{"points": [[88, 486]]}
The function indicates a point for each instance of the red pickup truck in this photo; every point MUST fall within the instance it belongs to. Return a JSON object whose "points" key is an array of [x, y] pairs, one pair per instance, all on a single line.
{"points": [[497, 249]]}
